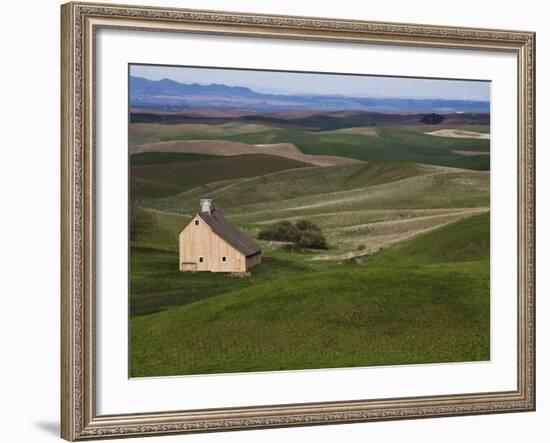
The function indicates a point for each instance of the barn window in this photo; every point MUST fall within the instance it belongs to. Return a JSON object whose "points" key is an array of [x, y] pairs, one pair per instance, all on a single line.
{"points": [[224, 258], [201, 259], [196, 223]]}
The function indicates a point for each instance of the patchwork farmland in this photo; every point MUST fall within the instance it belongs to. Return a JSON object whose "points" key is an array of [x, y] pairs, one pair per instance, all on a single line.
{"points": [[404, 207]]}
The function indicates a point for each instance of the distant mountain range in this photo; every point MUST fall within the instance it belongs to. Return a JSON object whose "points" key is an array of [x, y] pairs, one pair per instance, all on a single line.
{"points": [[169, 95]]}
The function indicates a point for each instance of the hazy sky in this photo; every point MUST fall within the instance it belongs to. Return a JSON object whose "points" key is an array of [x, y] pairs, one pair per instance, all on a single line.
{"points": [[300, 83]]}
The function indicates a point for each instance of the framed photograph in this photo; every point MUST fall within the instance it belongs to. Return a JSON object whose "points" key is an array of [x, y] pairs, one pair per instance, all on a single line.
{"points": [[283, 221]]}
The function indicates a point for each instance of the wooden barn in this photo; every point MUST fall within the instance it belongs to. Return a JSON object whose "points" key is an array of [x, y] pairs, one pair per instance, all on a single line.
{"points": [[208, 242]]}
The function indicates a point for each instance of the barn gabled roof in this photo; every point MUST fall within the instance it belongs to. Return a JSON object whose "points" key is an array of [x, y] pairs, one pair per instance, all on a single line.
{"points": [[229, 233]]}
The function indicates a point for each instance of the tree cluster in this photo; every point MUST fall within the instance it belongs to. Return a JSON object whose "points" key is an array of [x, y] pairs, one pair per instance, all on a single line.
{"points": [[141, 223], [432, 119], [303, 234]]}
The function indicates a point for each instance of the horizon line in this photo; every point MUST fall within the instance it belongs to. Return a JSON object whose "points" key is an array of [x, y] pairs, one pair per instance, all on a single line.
{"points": [[301, 94]]}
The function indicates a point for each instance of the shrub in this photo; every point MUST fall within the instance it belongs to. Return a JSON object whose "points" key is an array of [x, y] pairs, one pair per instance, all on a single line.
{"points": [[303, 234], [280, 231], [306, 225], [141, 223], [312, 240], [432, 119]]}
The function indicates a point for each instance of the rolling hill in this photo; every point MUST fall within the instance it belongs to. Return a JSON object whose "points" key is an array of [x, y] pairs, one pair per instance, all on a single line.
{"points": [[310, 191], [154, 180], [233, 148], [404, 207], [361, 208], [304, 119], [333, 315], [385, 143]]}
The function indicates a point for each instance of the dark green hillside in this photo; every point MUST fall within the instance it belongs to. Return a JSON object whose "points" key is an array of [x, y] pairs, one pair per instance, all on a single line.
{"points": [[157, 284], [465, 240], [161, 158], [155, 180], [429, 305], [476, 162], [376, 173], [321, 121], [391, 144], [337, 121], [275, 188]]}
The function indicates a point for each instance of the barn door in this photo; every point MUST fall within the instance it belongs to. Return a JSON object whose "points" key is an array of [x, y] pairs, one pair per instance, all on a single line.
{"points": [[188, 267]]}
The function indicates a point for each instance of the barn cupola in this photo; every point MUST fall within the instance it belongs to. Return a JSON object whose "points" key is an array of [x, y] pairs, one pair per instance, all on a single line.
{"points": [[206, 205]]}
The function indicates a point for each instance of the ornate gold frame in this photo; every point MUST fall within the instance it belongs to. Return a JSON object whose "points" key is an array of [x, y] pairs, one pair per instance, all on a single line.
{"points": [[79, 23]]}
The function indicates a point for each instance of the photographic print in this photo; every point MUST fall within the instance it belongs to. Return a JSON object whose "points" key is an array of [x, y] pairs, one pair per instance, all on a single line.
{"points": [[295, 220], [277, 221]]}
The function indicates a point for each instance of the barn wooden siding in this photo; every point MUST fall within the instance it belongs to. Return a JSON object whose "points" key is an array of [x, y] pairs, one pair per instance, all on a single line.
{"points": [[253, 260], [200, 241]]}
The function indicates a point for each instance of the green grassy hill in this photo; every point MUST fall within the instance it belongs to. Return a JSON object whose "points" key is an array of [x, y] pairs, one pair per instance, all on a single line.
{"points": [[312, 191], [405, 278], [163, 158], [142, 133], [391, 143], [412, 304], [466, 240], [309, 120], [369, 206], [152, 177]]}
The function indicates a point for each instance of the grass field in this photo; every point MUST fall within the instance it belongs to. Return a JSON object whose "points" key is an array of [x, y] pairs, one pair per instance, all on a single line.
{"points": [[315, 191], [304, 119], [390, 143], [156, 179], [417, 303], [405, 278], [163, 158]]}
